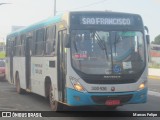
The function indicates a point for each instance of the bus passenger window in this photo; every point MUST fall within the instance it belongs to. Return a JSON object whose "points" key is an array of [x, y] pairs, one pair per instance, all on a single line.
{"points": [[50, 41], [39, 45]]}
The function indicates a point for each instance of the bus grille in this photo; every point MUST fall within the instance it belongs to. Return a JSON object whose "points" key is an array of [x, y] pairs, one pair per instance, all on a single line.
{"points": [[102, 99]]}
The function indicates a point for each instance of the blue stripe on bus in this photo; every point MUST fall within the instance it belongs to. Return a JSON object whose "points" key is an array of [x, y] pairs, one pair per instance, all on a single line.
{"points": [[76, 98], [38, 25]]}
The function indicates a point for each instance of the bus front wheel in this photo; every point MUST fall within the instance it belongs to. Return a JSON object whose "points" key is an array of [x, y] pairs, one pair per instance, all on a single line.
{"points": [[55, 105]]}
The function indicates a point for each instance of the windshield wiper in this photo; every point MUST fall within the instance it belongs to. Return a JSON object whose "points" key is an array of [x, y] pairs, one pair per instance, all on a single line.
{"points": [[101, 43], [75, 45], [115, 43]]}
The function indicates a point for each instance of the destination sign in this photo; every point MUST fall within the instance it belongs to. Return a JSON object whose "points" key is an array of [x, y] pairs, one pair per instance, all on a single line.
{"points": [[99, 20], [105, 21]]}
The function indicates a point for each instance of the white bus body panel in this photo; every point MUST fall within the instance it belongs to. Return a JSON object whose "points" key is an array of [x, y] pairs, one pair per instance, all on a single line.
{"points": [[19, 66], [39, 71]]}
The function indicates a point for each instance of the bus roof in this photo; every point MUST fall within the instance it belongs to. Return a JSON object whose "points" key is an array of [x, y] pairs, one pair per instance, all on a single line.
{"points": [[38, 25]]}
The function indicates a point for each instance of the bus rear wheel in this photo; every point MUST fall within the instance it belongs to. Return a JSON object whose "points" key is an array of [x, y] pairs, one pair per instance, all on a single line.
{"points": [[55, 105]]}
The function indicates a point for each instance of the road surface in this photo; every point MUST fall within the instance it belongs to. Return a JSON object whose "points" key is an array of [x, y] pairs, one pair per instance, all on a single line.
{"points": [[11, 101]]}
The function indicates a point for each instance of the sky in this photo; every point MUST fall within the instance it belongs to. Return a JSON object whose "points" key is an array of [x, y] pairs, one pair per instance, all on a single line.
{"points": [[26, 12]]}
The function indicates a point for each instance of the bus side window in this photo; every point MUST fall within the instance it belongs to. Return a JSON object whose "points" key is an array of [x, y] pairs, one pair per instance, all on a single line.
{"points": [[17, 51], [39, 44], [33, 47], [50, 40], [22, 39]]}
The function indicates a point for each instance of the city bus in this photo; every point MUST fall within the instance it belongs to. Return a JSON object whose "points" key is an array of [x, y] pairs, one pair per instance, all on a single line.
{"points": [[81, 58]]}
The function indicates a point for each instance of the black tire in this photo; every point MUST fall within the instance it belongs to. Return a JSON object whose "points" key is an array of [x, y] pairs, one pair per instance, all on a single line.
{"points": [[54, 105], [18, 87]]}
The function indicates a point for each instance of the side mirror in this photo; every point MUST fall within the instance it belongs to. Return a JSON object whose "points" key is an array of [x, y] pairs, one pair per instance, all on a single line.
{"points": [[146, 28], [67, 42], [148, 39], [147, 36]]}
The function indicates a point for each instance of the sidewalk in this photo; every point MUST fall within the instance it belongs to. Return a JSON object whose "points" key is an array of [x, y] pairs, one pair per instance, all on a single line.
{"points": [[154, 73]]}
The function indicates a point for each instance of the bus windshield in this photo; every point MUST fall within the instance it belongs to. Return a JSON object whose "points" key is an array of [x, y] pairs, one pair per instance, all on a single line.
{"points": [[107, 52]]}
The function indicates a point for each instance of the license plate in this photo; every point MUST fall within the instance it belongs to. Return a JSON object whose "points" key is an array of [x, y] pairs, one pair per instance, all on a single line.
{"points": [[112, 102]]}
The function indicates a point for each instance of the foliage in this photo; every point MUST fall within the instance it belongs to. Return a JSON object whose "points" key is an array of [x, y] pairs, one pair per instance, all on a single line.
{"points": [[2, 55], [154, 65], [156, 40]]}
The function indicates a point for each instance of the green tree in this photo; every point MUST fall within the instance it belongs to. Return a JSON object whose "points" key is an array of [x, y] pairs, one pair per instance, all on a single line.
{"points": [[156, 40]]}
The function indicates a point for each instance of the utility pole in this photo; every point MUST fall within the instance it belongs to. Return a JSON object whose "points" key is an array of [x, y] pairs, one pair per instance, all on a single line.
{"points": [[54, 7]]}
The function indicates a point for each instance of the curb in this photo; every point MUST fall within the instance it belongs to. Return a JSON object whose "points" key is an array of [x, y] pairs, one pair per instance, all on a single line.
{"points": [[154, 77]]}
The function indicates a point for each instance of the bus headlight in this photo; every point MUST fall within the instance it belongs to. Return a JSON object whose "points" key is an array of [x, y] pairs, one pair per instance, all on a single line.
{"points": [[77, 85], [142, 85]]}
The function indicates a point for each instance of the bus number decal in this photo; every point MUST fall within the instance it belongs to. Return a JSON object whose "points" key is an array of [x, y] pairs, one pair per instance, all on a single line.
{"points": [[38, 68], [99, 88]]}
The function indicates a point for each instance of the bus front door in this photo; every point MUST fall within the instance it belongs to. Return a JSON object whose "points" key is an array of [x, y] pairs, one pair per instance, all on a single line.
{"points": [[62, 61]]}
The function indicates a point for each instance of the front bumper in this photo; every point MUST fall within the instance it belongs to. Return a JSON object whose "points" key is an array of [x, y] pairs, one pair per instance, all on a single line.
{"points": [[76, 98]]}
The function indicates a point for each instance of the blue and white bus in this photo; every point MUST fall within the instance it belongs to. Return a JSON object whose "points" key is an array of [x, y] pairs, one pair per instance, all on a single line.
{"points": [[81, 58]]}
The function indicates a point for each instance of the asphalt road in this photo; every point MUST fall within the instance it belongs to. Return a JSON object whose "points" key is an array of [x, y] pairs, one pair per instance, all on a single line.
{"points": [[154, 85], [11, 101]]}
